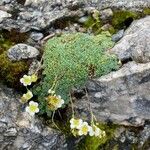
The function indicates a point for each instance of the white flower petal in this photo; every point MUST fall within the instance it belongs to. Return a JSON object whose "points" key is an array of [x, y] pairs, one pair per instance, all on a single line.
{"points": [[91, 131], [36, 104], [97, 131], [32, 103], [27, 109], [80, 133], [25, 76], [85, 123], [71, 121], [21, 80], [72, 126], [31, 113], [62, 101], [37, 110], [59, 96]]}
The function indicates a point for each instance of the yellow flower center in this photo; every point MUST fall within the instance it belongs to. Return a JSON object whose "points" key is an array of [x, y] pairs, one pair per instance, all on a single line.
{"points": [[84, 129], [27, 80], [32, 108], [53, 101], [76, 122]]}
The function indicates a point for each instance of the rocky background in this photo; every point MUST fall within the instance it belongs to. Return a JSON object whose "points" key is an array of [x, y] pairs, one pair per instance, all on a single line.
{"points": [[121, 97]]}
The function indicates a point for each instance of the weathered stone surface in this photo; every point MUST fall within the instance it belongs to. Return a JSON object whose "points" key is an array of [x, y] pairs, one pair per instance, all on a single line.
{"points": [[136, 5], [135, 43], [18, 131], [4, 15], [22, 51], [106, 14], [122, 97], [116, 37], [39, 15], [145, 137], [36, 36]]}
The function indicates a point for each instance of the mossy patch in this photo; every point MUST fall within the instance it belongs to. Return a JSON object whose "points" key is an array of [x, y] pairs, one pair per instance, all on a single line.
{"points": [[11, 72], [93, 143], [146, 11], [94, 22], [122, 19]]}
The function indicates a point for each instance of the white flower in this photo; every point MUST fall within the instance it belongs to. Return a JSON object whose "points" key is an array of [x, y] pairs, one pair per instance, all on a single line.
{"points": [[60, 103], [34, 78], [26, 96], [91, 131], [32, 108], [84, 129], [50, 91], [26, 80], [98, 132], [95, 131], [103, 133], [75, 123], [54, 102]]}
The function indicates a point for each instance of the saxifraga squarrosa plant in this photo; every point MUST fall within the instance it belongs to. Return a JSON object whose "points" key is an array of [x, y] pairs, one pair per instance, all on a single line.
{"points": [[71, 60]]}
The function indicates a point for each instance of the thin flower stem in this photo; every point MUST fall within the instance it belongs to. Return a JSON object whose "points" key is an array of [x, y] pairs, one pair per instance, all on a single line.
{"points": [[40, 64], [27, 88], [90, 109], [72, 107], [53, 114]]}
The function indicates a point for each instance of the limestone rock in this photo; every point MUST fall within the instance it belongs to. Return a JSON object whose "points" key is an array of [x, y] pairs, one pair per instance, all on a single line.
{"points": [[22, 51], [121, 97], [135, 42]]}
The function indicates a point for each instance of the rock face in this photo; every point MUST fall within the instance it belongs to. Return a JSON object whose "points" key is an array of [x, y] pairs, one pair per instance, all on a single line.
{"points": [[22, 51], [18, 131], [116, 37], [119, 4], [40, 15], [4, 15], [37, 15], [121, 97], [135, 43]]}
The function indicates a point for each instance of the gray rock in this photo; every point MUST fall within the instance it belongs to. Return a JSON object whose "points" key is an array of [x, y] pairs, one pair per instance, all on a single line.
{"points": [[18, 131], [36, 36], [83, 19], [5, 2], [40, 15], [4, 15], [136, 5], [106, 15], [35, 65], [22, 51], [116, 37], [33, 2], [122, 97], [144, 135], [135, 42]]}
